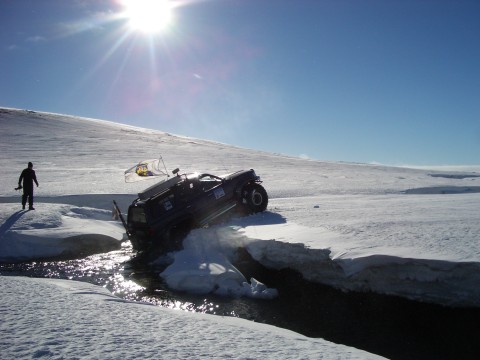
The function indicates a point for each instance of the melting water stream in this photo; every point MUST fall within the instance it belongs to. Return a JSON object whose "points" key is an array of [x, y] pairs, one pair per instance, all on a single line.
{"points": [[385, 325]]}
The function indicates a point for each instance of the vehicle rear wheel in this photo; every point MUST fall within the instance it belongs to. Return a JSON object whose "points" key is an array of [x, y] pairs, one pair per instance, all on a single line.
{"points": [[256, 198]]}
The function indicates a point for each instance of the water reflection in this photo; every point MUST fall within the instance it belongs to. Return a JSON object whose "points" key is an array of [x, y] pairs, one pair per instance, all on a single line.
{"points": [[124, 276]]}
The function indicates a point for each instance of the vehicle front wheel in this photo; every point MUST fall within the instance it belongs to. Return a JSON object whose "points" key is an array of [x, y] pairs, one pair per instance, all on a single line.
{"points": [[173, 236], [255, 198]]}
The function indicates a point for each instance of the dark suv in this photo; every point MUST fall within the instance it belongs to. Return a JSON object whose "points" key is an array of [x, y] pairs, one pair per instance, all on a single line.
{"points": [[164, 213]]}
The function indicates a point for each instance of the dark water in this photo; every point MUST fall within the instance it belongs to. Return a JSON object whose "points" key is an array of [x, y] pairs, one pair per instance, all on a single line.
{"points": [[389, 326]]}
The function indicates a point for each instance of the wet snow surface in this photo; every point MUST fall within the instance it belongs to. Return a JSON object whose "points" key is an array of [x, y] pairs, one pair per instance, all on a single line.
{"points": [[357, 228]]}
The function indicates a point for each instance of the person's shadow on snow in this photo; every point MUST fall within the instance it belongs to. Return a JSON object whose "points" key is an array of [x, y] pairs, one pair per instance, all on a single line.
{"points": [[10, 222]]}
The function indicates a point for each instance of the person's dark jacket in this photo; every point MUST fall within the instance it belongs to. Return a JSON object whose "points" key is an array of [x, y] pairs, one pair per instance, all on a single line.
{"points": [[28, 176]]}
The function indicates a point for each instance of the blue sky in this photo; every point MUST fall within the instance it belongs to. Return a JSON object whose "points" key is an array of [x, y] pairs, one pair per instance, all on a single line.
{"points": [[394, 82]]}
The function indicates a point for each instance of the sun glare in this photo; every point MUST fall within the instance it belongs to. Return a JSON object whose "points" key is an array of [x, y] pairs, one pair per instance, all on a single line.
{"points": [[149, 16]]}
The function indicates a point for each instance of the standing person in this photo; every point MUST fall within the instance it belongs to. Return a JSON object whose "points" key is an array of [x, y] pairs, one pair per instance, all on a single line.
{"points": [[28, 176]]}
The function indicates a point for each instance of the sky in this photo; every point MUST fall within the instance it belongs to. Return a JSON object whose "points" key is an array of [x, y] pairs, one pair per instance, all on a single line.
{"points": [[374, 81]]}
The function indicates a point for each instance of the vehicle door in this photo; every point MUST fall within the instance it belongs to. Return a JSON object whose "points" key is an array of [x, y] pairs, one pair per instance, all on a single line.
{"points": [[215, 194]]}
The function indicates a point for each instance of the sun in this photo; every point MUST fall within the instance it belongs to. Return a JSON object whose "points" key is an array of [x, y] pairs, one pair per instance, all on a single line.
{"points": [[148, 16]]}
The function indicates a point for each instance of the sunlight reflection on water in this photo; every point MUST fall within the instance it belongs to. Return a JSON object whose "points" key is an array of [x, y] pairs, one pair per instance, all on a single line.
{"points": [[122, 277]]}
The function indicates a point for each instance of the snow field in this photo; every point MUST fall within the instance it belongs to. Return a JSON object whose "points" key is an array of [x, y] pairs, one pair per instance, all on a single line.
{"points": [[407, 232]]}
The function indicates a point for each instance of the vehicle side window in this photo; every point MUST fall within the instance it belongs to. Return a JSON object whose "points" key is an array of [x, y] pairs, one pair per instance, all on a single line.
{"points": [[208, 182]]}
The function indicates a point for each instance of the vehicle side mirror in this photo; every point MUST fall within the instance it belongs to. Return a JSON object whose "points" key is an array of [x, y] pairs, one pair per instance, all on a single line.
{"points": [[175, 172]]}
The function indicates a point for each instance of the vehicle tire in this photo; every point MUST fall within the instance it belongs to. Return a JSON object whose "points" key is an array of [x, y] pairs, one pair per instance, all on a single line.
{"points": [[175, 234], [255, 198], [139, 242]]}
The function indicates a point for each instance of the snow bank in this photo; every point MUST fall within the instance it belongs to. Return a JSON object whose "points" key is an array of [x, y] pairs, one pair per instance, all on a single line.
{"points": [[204, 266], [62, 319], [56, 230], [327, 260]]}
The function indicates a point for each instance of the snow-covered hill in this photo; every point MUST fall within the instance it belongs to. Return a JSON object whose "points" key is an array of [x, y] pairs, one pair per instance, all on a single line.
{"points": [[407, 232]]}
